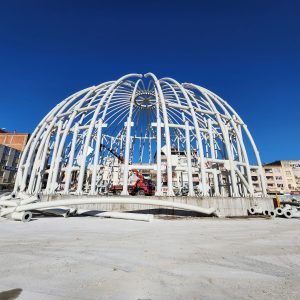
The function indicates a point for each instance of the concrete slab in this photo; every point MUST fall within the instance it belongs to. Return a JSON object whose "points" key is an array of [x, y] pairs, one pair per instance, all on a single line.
{"points": [[92, 258]]}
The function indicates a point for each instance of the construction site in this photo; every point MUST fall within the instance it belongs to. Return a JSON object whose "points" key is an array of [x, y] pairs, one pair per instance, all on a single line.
{"points": [[141, 136], [140, 149]]}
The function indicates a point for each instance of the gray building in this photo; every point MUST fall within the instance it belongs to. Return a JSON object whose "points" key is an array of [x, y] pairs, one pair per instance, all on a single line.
{"points": [[9, 160]]}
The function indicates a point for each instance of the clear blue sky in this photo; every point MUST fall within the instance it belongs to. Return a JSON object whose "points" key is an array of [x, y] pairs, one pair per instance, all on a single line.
{"points": [[248, 52]]}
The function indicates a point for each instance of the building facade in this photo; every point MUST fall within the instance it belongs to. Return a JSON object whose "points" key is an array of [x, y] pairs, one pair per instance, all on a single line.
{"points": [[295, 165], [282, 177], [11, 146], [13, 139], [9, 160], [256, 182]]}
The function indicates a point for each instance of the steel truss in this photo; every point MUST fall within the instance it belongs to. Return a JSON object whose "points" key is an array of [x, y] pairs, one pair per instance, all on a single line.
{"points": [[181, 134]]}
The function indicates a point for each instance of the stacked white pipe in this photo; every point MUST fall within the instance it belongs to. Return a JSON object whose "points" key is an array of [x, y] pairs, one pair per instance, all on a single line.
{"points": [[9, 204], [290, 212], [286, 211], [23, 203], [257, 210]]}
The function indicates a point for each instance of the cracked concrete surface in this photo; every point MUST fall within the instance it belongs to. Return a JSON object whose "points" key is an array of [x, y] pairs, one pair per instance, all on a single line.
{"points": [[93, 258]]}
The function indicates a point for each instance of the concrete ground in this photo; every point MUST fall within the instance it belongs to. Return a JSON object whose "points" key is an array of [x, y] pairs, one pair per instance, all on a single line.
{"points": [[93, 258]]}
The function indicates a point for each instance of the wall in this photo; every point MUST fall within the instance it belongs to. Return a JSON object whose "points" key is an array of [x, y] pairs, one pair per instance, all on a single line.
{"points": [[9, 159], [14, 140], [227, 206]]}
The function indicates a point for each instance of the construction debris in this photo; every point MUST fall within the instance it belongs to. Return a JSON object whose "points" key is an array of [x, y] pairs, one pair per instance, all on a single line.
{"points": [[8, 208], [287, 209]]}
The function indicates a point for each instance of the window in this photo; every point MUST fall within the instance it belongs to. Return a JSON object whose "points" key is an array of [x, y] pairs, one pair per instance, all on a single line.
{"points": [[288, 173], [278, 177], [254, 178], [1, 173], [6, 151], [11, 177], [3, 162], [280, 185], [5, 157]]}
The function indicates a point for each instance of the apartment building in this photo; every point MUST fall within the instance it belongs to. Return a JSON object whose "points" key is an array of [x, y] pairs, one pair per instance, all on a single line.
{"points": [[9, 160], [255, 181], [14, 139], [11, 146], [283, 176]]}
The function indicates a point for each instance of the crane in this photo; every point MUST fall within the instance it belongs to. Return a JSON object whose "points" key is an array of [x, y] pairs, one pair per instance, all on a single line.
{"points": [[118, 156]]}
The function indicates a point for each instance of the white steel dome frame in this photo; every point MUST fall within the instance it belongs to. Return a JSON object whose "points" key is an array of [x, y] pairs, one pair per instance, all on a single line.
{"points": [[181, 134]]}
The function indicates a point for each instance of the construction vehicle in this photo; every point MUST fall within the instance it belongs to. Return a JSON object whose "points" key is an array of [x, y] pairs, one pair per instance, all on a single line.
{"points": [[141, 187]]}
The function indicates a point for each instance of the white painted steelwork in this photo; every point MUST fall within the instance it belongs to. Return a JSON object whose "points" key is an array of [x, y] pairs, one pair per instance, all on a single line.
{"points": [[185, 136], [126, 216], [105, 200]]}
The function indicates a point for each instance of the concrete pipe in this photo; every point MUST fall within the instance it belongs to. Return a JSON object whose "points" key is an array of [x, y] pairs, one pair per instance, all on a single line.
{"points": [[279, 211], [24, 216], [251, 211], [288, 214], [273, 213], [266, 212], [126, 216]]}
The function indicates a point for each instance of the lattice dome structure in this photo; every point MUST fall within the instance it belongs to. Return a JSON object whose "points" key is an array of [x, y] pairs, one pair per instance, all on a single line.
{"points": [[181, 137]]}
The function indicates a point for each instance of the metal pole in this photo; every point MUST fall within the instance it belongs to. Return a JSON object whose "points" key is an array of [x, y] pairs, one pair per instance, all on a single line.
{"points": [[189, 162]]}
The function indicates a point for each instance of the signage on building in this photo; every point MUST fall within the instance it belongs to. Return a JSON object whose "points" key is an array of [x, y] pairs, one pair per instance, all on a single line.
{"points": [[8, 168]]}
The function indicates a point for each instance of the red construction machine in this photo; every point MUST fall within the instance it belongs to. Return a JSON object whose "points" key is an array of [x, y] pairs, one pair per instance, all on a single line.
{"points": [[141, 187]]}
